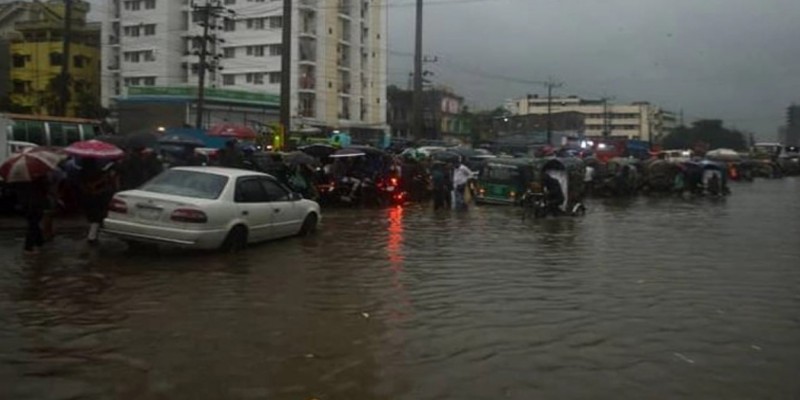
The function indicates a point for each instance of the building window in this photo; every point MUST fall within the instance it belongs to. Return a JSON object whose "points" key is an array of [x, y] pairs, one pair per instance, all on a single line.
{"points": [[255, 51], [229, 79], [229, 52], [229, 2], [133, 5], [276, 22], [274, 49], [78, 61], [21, 87], [55, 59], [19, 60], [255, 23], [149, 81], [150, 4], [150, 29], [274, 77], [255, 78], [149, 55], [131, 31], [229, 25]]}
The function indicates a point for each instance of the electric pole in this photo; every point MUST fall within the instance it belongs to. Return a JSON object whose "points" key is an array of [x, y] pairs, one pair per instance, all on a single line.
{"points": [[208, 14], [63, 100], [550, 84], [417, 125], [606, 117], [286, 71]]}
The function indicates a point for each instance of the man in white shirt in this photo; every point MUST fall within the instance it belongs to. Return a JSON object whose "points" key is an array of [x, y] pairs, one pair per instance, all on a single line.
{"points": [[461, 176]]}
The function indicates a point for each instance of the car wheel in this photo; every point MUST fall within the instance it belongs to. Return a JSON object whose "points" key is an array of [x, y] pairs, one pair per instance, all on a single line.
{"points": [[309, 225], [236, 240]]}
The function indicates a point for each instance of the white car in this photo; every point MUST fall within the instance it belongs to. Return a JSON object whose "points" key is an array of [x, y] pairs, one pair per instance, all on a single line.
{"points": [[210, 208]]}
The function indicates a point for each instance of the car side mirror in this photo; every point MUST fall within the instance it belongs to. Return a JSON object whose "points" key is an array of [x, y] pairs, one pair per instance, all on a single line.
{"points": [[296, 196]]}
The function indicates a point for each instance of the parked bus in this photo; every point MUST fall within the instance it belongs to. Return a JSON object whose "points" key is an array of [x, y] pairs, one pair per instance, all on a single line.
{"points": [[50, 131]]}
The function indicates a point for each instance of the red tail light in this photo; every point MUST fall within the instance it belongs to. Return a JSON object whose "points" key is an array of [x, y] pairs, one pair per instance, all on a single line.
{"points": [[118, 206], [394, 181], [189, 215]]}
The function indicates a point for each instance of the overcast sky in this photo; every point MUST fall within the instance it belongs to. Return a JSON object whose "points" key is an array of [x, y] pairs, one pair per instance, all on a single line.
{"points": [[738, 60]]}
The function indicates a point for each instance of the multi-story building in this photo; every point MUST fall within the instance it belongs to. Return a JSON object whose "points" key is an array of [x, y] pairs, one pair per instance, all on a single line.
{"points": [[338, 62], [10, 13], [36, 57], [442, 116], [638, 120], [791, 135]]}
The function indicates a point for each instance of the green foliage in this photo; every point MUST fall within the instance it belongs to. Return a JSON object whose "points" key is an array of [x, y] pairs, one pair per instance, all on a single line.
{"points": [[709, 133]]}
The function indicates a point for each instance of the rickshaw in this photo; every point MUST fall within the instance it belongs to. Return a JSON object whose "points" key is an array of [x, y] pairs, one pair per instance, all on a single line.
{"points": [[659, 176], [504, 180], [364, 175], [706, 177], [622, 177], [559, 189]]}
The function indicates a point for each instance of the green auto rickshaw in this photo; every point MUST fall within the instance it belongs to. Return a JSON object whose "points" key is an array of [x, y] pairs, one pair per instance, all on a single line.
{"points": [[504, 180]]}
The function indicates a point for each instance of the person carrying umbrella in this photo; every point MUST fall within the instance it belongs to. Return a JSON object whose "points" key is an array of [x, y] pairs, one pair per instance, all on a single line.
{"points": [[97, 180], [28, 173]]}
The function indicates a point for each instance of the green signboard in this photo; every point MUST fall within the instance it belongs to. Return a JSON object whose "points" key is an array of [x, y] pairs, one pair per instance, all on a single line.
{"points": [[222, 95]]}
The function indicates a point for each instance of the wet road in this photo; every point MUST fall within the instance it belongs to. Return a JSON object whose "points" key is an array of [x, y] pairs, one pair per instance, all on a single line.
{"points": [[646, 298]]}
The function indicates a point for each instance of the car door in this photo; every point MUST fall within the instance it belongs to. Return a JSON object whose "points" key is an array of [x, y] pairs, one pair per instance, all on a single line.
{"points": [[253, 206], [284, 210]]}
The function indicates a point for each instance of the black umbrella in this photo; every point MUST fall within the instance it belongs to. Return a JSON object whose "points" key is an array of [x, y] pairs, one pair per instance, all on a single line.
{"points": [[318, 150], [300, 158], [142, 140], [446, 156], [178, 140], [348, 152]]}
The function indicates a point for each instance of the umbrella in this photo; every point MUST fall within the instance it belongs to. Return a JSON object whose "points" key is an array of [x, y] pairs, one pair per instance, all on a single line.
{"points": [[141, 140], [318, 150], [446, 156], [348, 152], [30, 165], [300, 158], [94, 149], [233, 131], [117, 140], [723, 155], [179, 140]]}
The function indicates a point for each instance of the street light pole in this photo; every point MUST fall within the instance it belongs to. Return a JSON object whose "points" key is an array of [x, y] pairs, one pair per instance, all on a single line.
{"points": [[417, 125], [286, 72]]}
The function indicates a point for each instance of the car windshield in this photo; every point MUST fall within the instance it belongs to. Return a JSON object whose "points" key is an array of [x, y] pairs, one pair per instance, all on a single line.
{"points": [[187, 183]]}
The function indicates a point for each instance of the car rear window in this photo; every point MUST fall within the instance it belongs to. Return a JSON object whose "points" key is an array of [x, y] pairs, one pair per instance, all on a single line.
{"points": [[187, 183]]}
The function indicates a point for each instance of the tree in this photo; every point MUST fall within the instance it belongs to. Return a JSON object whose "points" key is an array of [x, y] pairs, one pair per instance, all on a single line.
{"points": [[708, 133]]}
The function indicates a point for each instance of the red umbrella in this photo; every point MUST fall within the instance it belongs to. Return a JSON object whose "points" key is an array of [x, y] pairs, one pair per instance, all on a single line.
{"points": [[94, 149], [233, 131], [30, 165]]}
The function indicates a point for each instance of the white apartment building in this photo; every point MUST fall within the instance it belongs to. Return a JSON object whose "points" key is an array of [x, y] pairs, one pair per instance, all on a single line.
{"points": [[638, 120], [338, 60]]}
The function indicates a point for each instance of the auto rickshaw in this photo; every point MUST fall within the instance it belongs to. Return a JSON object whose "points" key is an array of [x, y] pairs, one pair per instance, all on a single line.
{"points": [[622, 177], [504, 180], [559, 189], [659, 176], [706, 178]]}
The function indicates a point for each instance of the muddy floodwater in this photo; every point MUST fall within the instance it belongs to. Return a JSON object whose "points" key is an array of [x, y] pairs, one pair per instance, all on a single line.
{"points": [[640, 299]]}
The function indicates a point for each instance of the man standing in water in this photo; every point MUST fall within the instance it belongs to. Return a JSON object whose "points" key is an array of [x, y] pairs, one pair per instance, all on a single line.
{"points": [[461, 176]]}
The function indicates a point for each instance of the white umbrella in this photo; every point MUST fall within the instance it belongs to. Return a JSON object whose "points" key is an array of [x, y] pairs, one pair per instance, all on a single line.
{"points": [[723, 155]]}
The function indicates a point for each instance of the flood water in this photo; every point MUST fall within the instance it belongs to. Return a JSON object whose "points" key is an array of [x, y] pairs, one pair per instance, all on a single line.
{"points": [[643, 298]]}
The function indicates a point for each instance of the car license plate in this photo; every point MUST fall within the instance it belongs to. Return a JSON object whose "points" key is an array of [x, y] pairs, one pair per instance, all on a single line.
{"points": [[149, 213]]}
